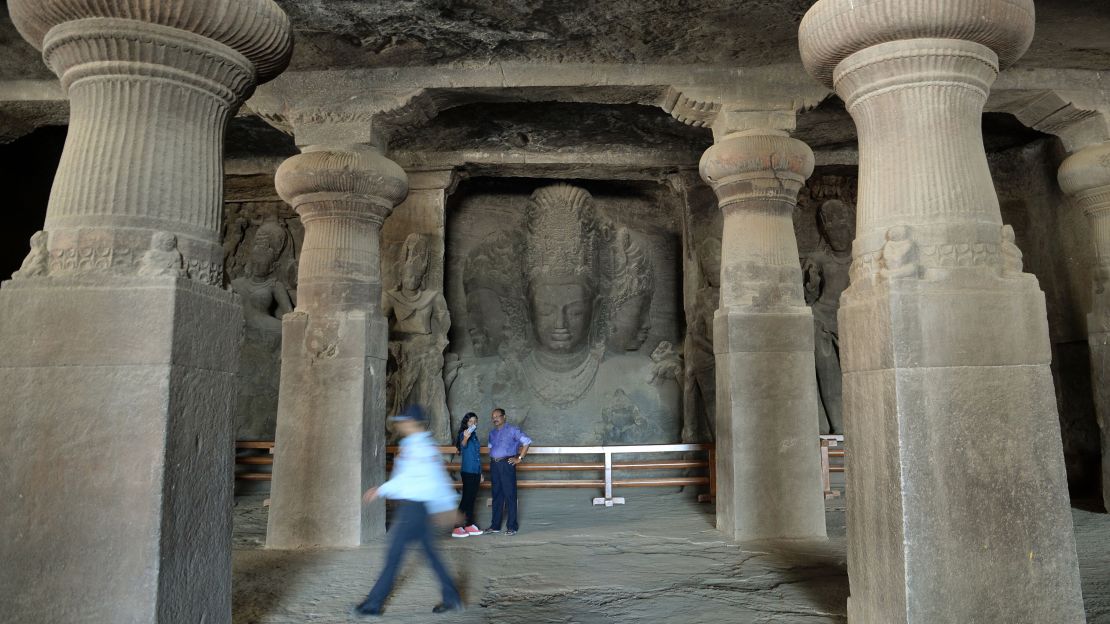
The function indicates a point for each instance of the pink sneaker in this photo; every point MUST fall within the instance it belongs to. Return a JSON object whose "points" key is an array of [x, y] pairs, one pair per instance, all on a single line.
{"points": [[460, 532], [474, 530]]}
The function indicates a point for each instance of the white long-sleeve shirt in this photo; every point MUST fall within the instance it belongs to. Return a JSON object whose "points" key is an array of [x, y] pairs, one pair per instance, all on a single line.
{"points": [[419, 475]]}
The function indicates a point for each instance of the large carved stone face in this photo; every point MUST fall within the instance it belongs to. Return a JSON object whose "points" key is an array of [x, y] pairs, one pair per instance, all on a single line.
{"points": [[835, 219], [487, 320], [561, 315], [631, 324]]}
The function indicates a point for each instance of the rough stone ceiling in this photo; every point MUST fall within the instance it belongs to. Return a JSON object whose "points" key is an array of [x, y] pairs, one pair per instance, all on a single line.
{"points": [[735, 33]]}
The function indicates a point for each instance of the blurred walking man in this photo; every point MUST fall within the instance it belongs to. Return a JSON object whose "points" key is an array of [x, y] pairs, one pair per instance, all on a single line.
{"points": [[421, 487]]}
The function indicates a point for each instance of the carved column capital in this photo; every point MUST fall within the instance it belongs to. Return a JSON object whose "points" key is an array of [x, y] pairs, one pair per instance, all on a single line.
{"points": [[756, 175], [151, 87], [833, 30], [1085, 176], [759, 164], [257, 29], [343, 196]]}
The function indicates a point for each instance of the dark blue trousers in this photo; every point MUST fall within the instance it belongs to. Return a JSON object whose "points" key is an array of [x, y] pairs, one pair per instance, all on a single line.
{"points": [[412, 524], [503, 475]]}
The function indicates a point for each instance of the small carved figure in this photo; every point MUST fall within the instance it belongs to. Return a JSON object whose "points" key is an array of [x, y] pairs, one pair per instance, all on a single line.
{"points": [[825, 274], [700, 387], [163, 258], [899, 257], [632, 289], [419, 321], [1011, 254], [36, 262], [667, 364]]}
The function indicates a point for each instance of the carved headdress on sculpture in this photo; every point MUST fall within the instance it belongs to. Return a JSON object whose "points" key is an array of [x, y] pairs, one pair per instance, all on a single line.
{"points": [[493, 268], [269, 242], [632, 272], [561, 242]]}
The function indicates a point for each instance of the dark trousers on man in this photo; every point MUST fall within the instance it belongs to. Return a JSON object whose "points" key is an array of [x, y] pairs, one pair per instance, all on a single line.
{"points": [[412, 524], [503, 475], [471, 481]]}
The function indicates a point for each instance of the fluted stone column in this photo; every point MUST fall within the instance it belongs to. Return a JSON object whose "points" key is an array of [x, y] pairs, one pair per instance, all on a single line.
{"points": [[957, 500], [768, 461], [330, 443], [119, 346], [1085, 175]]}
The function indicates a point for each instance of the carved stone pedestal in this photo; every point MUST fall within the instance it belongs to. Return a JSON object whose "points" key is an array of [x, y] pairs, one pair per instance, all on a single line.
{"points": [[119, 347], [1086, 177], [768, 465], [947, 388], [330, 443]]}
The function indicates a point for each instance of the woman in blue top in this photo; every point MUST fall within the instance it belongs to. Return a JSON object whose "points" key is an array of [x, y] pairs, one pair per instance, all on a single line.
{"points": [[466, 440]]}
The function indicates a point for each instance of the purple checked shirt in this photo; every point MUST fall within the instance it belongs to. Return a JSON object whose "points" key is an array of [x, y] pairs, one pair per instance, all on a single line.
{"points": [[506, 441]]}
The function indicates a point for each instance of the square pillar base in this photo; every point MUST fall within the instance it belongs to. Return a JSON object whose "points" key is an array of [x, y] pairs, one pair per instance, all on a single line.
{"points": [[768, 456], [330, 443], [116, 449], [958, 506]]}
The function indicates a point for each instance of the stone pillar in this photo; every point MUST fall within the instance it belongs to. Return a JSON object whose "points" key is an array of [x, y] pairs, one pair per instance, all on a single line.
{"points": [[119, 345], [423, 212], [957, 499], [768, 460], [1085, 175], [330, 443]]}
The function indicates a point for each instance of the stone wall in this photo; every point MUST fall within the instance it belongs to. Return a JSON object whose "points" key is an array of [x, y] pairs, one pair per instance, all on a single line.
{"points": [[1056, 245]]}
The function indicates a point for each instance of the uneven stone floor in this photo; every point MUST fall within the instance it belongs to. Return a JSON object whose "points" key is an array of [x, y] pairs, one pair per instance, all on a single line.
{"points": [[656, 559]]}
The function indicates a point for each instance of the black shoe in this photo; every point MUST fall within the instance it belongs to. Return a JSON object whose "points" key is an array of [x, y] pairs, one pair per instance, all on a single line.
{"points": [[365, 609], [443, 608], [492, 530]]}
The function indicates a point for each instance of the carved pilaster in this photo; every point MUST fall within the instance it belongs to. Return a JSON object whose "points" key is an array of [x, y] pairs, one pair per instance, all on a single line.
{"points": [[766, 432], [941, 334], [1085, 176], [102, 333], [330, 443]]}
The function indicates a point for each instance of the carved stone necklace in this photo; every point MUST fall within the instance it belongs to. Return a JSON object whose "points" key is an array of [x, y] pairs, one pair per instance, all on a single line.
{"points": [[560, 380]]}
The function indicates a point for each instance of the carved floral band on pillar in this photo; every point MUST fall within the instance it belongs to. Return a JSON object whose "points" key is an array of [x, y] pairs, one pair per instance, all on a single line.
{"points": [[756, 175], [948, 390], [151, 87], [1085, 176], [343, 196]]}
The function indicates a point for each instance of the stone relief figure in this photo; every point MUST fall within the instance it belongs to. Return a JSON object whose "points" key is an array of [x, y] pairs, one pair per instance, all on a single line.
{"points": [[37, 261], [668, 364], [553, 362], [701, 365], [163, 258], [899, 258], [825, 274], [633, 286], [265, 299], [493, 294], [419, 322]]}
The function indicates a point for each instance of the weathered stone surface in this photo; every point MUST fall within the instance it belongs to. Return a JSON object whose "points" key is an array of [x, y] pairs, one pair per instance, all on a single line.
{"points": [[766, 385], [120, 348], [330, 443], [946, 346]]}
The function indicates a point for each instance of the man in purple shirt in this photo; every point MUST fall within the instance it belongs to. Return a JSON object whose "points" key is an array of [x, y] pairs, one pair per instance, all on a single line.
{"points": [[507, 447]]}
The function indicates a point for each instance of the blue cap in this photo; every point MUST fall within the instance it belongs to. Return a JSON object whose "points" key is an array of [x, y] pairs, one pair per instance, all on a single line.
{"points": [[412, 412]]}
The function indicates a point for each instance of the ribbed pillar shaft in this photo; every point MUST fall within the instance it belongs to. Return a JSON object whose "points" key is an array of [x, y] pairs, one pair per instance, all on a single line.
{"points": [[768, 469], [330, 443], [119, 345], [1085, 176], [944, 340]]}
